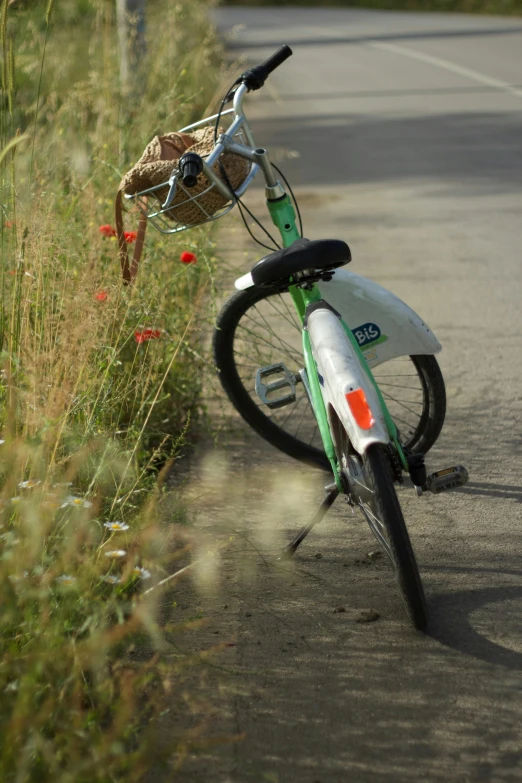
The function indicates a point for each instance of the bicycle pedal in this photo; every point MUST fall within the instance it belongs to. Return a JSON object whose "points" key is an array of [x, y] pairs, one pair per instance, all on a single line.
{"points": [[265, 391], [449, 478]]}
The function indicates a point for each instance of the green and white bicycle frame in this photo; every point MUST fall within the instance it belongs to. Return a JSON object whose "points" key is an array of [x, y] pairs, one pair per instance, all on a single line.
{"points": [[338, 376]]}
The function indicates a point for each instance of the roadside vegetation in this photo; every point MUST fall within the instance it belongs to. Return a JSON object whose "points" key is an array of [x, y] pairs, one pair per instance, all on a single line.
{"points": [[501, 7], [99, 384]]}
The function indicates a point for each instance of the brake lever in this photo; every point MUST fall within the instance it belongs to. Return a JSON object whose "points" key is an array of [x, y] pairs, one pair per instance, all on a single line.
{"points": [[172, 190]]}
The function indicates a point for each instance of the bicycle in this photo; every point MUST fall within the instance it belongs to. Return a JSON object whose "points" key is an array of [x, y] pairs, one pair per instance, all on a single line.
{"points": [[351, 419]]}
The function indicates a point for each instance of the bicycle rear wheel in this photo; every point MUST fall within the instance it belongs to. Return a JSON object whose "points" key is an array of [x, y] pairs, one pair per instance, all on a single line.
{"points": [[370, 485], [258, 327]]}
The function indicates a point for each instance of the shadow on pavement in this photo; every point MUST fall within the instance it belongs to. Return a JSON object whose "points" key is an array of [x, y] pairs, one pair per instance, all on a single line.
{"points": [[480, 149], [492, 490], [357, 39], [389, 93], [452, 611]]}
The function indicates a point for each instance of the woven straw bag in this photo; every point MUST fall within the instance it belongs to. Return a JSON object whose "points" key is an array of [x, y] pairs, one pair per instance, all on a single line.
{"points": [[155, 167]]}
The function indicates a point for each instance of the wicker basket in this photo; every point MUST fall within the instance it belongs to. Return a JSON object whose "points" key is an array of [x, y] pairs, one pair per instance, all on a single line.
{"points": [[190, 206]]}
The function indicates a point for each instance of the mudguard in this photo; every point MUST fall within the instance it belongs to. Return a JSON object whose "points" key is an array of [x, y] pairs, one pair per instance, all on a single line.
{"points": [[342, 375], [384, 326]]}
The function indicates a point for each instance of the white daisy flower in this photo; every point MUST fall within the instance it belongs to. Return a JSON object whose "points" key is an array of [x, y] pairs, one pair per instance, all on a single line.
{"points": [[29, 484], [141, 572], [66, 579], [114, 554], [76, 502], [111, 579], [16, 500], [115, 526], [2, 442]]}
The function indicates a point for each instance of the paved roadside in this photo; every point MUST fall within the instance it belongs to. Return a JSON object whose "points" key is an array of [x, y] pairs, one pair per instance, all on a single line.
{"points": [[405, 139]]}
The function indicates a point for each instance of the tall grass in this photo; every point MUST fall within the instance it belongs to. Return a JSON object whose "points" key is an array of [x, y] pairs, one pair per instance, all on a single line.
{"points": [[98, 383]]}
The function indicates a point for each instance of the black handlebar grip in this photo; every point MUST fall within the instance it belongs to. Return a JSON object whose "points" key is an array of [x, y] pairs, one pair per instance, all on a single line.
{"points": [[190, 167], [255, 77], [277, 59]]}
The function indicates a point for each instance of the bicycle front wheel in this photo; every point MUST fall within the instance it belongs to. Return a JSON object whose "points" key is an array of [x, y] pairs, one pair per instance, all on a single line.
{"points": [[259, 327], [371, 487]]}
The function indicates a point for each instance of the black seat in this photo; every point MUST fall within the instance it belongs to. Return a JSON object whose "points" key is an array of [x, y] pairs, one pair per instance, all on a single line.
{"points": [[301, 255]]}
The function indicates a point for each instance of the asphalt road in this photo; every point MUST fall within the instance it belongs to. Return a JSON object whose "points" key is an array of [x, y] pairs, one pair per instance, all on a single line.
{"points": [[403, 135]]}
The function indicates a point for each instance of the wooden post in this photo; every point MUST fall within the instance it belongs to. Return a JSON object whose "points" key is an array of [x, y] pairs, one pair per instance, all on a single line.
{"points": [[131, 37]]}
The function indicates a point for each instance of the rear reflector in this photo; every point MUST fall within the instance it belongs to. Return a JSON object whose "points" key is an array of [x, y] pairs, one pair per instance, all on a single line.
{"points": [[360, 409]]}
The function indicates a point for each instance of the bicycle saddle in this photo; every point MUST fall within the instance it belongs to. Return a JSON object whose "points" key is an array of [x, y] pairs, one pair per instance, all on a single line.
{"points": [[315, 256]]}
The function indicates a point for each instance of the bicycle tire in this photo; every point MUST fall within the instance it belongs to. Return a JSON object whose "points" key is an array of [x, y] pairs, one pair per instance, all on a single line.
{"points": [[392, 533], [240, 387]]}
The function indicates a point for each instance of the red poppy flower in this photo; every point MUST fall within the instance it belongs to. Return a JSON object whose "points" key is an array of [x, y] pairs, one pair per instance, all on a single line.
{"points": [[130, 236], [101, 296], [9, 224], [107, 231], [188, 258], [147, 334]]}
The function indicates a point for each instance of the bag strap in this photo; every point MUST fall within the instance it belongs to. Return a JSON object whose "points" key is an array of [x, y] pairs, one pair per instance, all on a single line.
{"points": [[129, 271]]}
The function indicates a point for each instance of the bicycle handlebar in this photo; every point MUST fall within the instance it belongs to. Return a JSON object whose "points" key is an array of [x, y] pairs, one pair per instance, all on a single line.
{"points": [[254, 78], [277, 59], [191, 165]]}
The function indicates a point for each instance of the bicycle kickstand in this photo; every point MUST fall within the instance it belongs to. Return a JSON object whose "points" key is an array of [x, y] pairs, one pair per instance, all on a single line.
{"points": [[331, 494]]}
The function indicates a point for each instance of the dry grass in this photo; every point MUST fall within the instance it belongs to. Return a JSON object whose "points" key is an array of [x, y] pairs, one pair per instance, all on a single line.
{"points": [[89, 412]]}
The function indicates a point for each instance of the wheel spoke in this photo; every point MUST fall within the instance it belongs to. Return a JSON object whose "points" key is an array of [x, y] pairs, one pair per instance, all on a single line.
{"points": [[290, 413], [305, 411], [290, 320], [243, 355], [406, 423], [286, 349], [389, 397], [277, 336], [397, 386]]}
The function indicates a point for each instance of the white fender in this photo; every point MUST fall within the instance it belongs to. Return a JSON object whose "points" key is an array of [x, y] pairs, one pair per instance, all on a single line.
{"points": [[341, 373], [385, 327]]}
